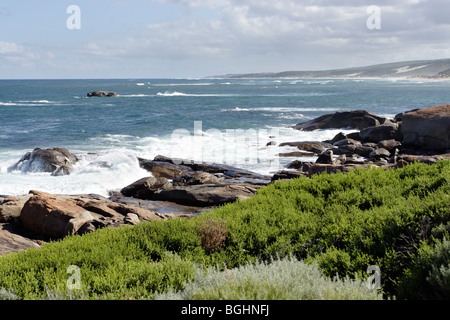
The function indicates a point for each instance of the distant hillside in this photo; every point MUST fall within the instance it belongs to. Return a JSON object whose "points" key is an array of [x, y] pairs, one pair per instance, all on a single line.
{"points": [[427, 69]]}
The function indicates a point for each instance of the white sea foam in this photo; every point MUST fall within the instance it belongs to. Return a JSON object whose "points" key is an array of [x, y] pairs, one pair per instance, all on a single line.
{"points": [[31, 103], [182, 84], [36, 101], [137, 95], [171, 94], [94, 173], [181, 94], [279, 109]]}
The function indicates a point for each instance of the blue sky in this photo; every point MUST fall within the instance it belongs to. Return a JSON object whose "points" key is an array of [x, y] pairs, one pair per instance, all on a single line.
{"points": [[181, 38]]}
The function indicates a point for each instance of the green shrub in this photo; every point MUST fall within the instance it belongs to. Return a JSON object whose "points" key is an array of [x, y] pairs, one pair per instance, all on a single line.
{"points": [[286, 279], [341, 222]]}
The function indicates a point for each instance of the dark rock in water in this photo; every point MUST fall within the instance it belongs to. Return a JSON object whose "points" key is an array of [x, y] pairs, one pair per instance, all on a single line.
{"points": [[62, 171], [102, 94], [197, 177], [427, 129], [311, 146], [58, 161], [145, 188], [379, 133], [338, 137], [164, 169], [359, 119]]}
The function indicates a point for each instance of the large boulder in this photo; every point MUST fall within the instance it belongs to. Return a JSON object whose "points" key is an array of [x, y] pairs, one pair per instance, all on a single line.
{"points": [[359, 119], [144, 188], [382, 132], [56, 216], [47, 215], [58, 161], [164, 169], [427, 129]]}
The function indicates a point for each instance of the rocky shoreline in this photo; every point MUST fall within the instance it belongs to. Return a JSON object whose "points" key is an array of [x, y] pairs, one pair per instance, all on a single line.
{"points": [[183, 189]]}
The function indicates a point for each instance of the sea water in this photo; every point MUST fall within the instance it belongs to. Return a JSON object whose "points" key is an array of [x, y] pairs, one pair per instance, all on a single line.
{"points": [[227, 121]]}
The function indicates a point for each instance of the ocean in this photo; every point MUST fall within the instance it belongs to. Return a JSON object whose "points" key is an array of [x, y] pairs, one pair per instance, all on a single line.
{"points": [[228, 121]]}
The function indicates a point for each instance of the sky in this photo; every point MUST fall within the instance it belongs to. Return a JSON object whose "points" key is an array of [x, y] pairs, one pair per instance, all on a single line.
{"points": [[198, 38]]}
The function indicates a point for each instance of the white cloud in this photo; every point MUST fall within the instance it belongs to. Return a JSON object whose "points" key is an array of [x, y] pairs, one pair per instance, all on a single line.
{"points": [[10, 48]]}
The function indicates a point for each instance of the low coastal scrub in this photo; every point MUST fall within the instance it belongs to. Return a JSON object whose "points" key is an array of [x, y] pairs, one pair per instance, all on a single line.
{"points": [[286, 279], [395, 219]]}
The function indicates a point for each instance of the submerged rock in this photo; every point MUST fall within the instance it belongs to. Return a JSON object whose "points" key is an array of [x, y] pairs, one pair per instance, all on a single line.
{"points": [[102, 94], [58, 161]]}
